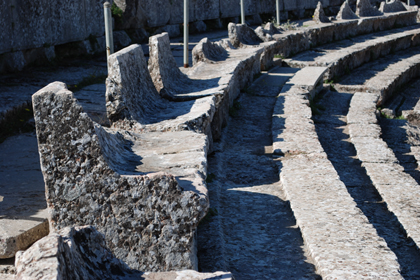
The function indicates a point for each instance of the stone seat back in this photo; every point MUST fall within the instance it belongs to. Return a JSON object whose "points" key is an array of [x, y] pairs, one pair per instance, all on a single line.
{"points": [[148, 220], [169, 81], [133, 101]]}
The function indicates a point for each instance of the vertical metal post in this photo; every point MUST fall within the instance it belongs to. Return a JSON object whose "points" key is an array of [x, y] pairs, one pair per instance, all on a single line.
{"points": [[242, 12], [278, 12], [186, 30], [108, 29]]}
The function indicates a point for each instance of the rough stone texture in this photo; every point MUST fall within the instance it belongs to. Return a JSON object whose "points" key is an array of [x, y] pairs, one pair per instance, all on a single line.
{"points": [[172, 30], [319, 15], [78, 158], [346, 12], [209, 52], [263, 35], [72, 253], [134, 103], [81, 253], [121, 39], [392, 7], [352, 53], [240, 34], [365, 9], [133, 14], [323, 208], [198, 26], [397, 188], [170, 82], [271, 29]]}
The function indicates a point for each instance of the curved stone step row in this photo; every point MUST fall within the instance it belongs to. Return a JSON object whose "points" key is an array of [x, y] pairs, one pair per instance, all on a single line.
{"points": [[340, 239], [398, 189], [346, 55], [291, 42], [383, 76]]}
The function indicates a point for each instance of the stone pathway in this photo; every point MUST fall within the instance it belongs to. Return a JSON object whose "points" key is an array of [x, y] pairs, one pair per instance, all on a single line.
{"points": [[252, 232], [333, 133]]}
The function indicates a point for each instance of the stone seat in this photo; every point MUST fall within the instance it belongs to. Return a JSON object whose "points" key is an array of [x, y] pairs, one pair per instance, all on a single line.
{"points": [[346, 55], [385, 75], [117, 181], [132, 101], [397, 188], [169, 81], [321, 204]]}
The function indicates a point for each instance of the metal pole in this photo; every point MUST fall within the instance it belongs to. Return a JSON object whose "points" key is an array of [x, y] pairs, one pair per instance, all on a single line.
{"points": [[186, 23], [242, 12], [108, 29], [278, 11]]}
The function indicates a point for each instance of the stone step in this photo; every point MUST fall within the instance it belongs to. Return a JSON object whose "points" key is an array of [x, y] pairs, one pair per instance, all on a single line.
{"points": [[384, 76], [324, 210], [346, 55], [398, 189]]}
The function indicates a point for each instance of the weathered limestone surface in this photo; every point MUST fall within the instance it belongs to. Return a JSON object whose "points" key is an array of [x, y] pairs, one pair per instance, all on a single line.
{"points": [[384, 76], [398, 189], [346, 12], [240, 34], [353, 53], [169, 81], [365, 9], [133, 101], [319, 15], [148, 220], [392, 7], [81, 253], [324, 210], [208, 51]]}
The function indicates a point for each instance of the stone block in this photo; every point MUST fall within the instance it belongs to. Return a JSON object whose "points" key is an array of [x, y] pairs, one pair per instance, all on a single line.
{"points": [[94, 17], [68, 22], [208, 51], [198, 26], [206, 9], [346, 12], [365, 9], [319, 15], [148, 220], [392, 7], [7, 23], [133, 14], [242, 34], [159, 12], [33, 24]]}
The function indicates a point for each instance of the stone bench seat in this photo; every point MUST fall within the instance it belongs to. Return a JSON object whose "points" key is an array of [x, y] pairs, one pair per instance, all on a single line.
{"points": [[383, 76], [346, 55], [132, 101], [338, 236], [398, 189], [118, 181]]}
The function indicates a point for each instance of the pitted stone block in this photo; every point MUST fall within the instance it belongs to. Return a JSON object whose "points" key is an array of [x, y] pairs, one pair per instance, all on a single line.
{"points": [[240, 34], [365, 9], [392, 7], [319, 15], [148, 220], [346, 12]]}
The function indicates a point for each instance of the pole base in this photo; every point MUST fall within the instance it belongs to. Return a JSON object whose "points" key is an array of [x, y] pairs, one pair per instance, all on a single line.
{"points": [[186, 65]]}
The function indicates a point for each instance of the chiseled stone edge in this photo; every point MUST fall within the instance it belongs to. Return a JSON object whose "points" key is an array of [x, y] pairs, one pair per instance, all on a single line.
{"points": [[323, 208], [148, 221], [355, 55], [404, 203]]}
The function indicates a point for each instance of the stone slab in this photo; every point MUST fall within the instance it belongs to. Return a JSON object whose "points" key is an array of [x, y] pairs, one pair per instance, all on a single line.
{"points": [[308, 77], [23, 213], [339, 237], [375, 150]]}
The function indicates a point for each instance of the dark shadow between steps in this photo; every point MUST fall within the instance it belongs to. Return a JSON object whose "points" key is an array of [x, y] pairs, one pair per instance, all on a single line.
{"points": [[395, 136], [343, 156]]}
